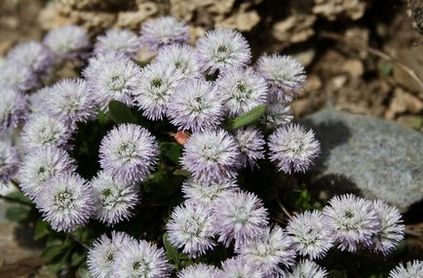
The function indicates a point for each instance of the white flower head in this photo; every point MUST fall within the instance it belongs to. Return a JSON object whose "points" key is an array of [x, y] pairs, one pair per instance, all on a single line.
{"points": [[121, 41]]}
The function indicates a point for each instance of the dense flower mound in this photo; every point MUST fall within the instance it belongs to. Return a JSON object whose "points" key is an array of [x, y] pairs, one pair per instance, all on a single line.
{"points": [[408, 270]]}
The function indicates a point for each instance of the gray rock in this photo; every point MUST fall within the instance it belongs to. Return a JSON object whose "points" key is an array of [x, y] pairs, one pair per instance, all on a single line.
{"points": [[368, 156]]}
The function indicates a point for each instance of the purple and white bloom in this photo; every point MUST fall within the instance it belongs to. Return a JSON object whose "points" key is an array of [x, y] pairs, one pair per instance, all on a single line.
{"points": [[277, 114], [306, 269], [33, 55], [66, 202], [293, 148], [239, 217], [121, 41], [285, 76], [391, 229], [242, 90], [311, 236], [190, 228], [212, 156], [13, 109], [223, 49], [40, 165], [412, 269], [141, 259], [353, 220], [9, 160], [195, 106], [237, 267], [129, 153], [182, 57], [17, 76], [199, 270], [155, 87], [268, 251], [67, 42], [115, 199], [162, 31], [103, 252], [38, 100], [251, 145]]}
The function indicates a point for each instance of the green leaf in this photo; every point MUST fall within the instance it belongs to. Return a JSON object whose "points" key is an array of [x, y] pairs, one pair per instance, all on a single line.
{"points": [[17, 214], [17, 195], [77, 258], [170, 150], [121, 113], [41, 229], [247, 118], [180, 172], [54, 251], [171, 252], [82, 272]]}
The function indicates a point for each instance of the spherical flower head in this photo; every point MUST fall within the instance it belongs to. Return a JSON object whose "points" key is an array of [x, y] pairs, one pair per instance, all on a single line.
{"points": [[190, 228], [271, 249], [277, 114], [156, 86], [391, 229], [162, 31], [9, 161], [195, 106], [237, 267], [67, 42], [141, 259], [293, 148], [33, 55], [242, 90], [129, 153], [38, 100], [13, 109], [212, 156], [239, 217], [182, 57], [17, 76], [40, 165], [121, 41], [103, 252], [285, 76], [66, 202], [413, 269], [306, 268], [223, 49], [353, 221], [251, 145], [115, 199], [199, 270], [311, 236]]}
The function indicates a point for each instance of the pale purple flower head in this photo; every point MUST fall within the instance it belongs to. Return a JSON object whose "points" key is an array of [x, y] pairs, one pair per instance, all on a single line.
{"points": [[237, 267], [33, 55], [195, 106], [114, 199], [242, 90], [129, 153], [277, 114], [17, 76], [13, 109], [156, 85], [285, 76], [239, 217], [67, 42], [212, 156], [182, 57], [310, 233], [66, 202], [141, 259], [223, 49], [199, 270], [251, 145], [293, 148], [190, 228], [38, 100], [412, 269], [9, 161], [158, 32], [103, 252], [121, 41], [353, 220], [306, 269], [40, 165]]}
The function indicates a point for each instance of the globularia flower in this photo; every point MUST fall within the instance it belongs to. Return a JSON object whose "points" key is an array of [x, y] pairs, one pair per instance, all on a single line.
{"points": [[353, 220], [182, 57], [293, 148], [212, 156], [17, 76], [33, 55], [66, 202], [13, 108], [251, 145], [285, 76], [40, 165], [199, 270], [141, 259], [190, 228], [38, 100], [237, 267], [156, 85], [306, 268], [114, 199], [9, 160], [242, 90], [102, 254], [158, 32], [413, 269], [195, 106], [129, 153], [268, 251], [67, 42], [277, 114], [239, 217], [391, 229], [310, 233], [223, 49], [121, 41]]}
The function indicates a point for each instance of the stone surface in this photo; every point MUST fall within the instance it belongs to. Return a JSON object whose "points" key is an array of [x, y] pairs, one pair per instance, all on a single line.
{"points": [[368, 156]]}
